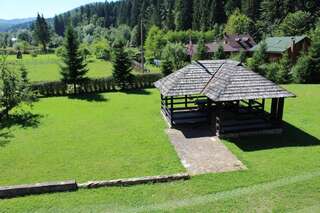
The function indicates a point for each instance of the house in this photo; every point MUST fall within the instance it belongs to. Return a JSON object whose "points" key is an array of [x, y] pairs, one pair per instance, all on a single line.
{"points": [[293, 45], [230, 43], [224, 94]]}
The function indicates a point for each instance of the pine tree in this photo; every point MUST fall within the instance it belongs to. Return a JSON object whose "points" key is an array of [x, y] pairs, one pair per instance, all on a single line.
{"points": [[220, 53], [183, 11], [201, 50], [166, 67], [259, 59], [42, 32], [283, 74], [74, 67], [122, 67]]}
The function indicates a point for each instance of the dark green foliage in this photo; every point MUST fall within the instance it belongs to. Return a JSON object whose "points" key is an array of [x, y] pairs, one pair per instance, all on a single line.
{"points": [[302, 71], [314, 54], [122, 67], [259, 59], [74, 67], [201, 50], [284, 72], [251, 8], [271, 71], [183, 12], [294, 24], [166, 67], [220, 53], [42, 32], [14, 87]]}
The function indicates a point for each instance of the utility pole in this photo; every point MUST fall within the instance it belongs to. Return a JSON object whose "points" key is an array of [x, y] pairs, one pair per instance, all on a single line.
{"points": [[142, 50]]}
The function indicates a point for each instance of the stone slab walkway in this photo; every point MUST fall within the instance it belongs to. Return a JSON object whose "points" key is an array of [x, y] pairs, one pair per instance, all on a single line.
{"points": [[200, 152]]}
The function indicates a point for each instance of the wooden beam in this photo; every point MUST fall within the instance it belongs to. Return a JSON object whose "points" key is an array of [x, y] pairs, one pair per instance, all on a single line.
{"points": [[280, 109], [171, 110]]}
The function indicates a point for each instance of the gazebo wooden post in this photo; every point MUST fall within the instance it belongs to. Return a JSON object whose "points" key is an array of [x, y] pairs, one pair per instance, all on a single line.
{"points": [[171, 110], [209, 109], [186, 101], [280, 110], [277, 106], [218, 118]]}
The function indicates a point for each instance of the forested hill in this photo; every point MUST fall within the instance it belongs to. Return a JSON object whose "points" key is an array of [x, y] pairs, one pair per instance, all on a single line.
{"points": [[184, 14]]}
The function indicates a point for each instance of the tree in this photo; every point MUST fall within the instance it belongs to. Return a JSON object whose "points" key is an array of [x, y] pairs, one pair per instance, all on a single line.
{"points": [[238, 23], [183, 12], [251, 8], [154, 43], [74, 67], [166, 67], [314, 54], [122, 67], [284, 71], [259, 59], [220, 53], [176, 53], [42, 32], [201, 49], [14, 88], [297, 23], [301, 70]]}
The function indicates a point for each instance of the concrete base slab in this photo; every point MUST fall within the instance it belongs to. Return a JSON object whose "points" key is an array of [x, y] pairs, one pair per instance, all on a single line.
{"points": [[200, 152]]}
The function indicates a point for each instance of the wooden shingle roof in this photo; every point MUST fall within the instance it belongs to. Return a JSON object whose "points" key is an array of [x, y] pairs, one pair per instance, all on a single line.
{"points": [[219, 80]]}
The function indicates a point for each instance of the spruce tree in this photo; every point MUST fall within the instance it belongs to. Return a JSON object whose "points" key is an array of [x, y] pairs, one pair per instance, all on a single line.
{"points": [[42, 32], [166, 67], [122, 67], [183, 13], [74, 67], [201, 50], [283, 74], [220, 53]]}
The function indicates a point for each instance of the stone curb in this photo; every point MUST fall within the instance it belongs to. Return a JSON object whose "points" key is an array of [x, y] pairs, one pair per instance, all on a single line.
{"points": [[134, 181], [7, 192], [38, 188]]}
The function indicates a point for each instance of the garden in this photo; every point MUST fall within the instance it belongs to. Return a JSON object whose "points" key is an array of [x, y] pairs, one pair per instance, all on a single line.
{"points": [[124, 137]]}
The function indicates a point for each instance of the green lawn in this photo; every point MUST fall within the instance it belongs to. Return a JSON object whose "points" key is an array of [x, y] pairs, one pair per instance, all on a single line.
{"points": [[283, 171], [97, 137], [46, 67]]}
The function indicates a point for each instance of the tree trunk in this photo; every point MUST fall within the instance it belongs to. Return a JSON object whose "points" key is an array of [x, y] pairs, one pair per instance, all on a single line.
{"points": [[75, 88]]}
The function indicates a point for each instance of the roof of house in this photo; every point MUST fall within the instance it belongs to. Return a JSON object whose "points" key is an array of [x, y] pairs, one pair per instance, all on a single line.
{"points": [[280, 44], [230, 43], [219, 80]]}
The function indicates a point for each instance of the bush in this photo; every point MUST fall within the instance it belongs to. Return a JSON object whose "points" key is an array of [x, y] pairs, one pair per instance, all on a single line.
{"points": [[301, 71], [176, 54], [101, 49]]}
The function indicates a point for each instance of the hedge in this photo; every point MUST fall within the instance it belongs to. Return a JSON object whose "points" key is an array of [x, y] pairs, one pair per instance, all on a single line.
{"points": [[93, 85]]}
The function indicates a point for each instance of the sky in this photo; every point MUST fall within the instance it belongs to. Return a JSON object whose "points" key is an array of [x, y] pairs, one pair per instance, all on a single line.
{"points": [[12, 9]]}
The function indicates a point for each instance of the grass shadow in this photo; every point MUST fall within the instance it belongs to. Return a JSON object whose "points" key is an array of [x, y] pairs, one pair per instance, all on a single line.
{"points": [[291, 137], [24, 120], [136, 92], [5, 137], [93, 97], [21, 119]]}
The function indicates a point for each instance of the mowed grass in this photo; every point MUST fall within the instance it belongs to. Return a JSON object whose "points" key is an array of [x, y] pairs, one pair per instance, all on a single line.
{"points": [[97, 137], [268, 158], [46, 67]]}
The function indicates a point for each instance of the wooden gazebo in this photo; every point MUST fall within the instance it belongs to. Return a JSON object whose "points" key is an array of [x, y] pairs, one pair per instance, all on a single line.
{"points": [[224, 94]]}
